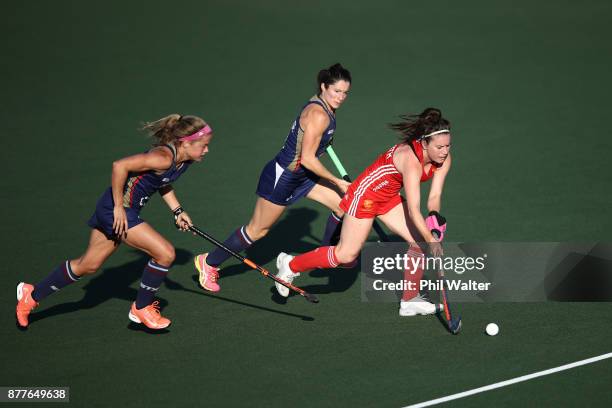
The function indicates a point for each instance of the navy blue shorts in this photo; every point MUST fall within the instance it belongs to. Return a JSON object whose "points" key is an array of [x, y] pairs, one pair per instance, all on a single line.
{"points": [[281, 186], [102, 219]]}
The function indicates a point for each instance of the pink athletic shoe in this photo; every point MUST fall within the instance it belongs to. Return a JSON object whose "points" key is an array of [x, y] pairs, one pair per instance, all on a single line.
{"points": [[208, 274], [25, 303], [149, 316]]}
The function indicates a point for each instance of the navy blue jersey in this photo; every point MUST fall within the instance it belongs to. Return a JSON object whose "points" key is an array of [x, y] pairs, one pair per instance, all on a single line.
{"points": [[290, 155], [140, 186], [136, 192]]}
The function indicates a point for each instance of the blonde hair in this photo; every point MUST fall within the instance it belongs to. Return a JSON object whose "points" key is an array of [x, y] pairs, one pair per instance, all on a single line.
{"points": [[171, 128]]}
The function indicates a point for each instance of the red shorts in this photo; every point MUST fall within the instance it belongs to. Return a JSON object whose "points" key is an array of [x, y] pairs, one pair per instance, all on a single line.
{"points": [[368, 205]]}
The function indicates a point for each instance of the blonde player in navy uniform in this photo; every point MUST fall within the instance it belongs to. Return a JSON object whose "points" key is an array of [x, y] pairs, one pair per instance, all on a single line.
{"points": [[179, 141], [294, 173]]}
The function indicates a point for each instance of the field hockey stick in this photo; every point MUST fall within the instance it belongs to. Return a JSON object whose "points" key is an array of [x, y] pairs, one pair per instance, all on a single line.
{"points": [[332, 154], [310, 297], [454, 325]]}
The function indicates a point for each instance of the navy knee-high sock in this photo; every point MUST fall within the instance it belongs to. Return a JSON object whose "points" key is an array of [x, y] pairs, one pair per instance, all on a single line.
{"points": [[152, 278], [238, 241], [60, 277], [332, 230]]}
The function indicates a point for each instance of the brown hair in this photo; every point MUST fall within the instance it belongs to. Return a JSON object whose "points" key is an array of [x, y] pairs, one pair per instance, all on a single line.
{"points": [[331, 75], [172, 127], [414, 127]]}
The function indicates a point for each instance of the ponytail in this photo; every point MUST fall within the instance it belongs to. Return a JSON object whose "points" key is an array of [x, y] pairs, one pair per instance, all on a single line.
{"points": [[172, 127], [421, 126]]}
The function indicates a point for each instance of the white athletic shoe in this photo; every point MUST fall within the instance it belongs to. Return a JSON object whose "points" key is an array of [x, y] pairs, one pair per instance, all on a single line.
{"points": [[284, 272], [418, 305]]}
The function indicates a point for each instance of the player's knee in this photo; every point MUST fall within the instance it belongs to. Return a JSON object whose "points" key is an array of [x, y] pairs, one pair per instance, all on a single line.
{"points": [[166, 255]]}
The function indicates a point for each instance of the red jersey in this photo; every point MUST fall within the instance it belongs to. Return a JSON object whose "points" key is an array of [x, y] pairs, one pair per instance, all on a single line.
{"points": [[377, 189]]}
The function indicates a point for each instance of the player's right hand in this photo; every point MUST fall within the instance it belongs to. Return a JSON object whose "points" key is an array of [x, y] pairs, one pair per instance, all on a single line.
{"points": [[183, 221], [120, 223]]}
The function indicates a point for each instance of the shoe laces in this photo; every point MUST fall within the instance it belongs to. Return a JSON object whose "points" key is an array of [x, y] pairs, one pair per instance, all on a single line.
{"points": [[214, 273], [211, 271], [28, 301], [154, 309]]}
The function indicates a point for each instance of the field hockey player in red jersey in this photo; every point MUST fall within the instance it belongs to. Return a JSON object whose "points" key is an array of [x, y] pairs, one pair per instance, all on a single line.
{"points": [[295, 172], [422, 154], [179, 141]]}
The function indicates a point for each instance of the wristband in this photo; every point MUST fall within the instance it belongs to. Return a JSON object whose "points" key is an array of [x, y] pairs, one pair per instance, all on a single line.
{"points": [[177, 211]]}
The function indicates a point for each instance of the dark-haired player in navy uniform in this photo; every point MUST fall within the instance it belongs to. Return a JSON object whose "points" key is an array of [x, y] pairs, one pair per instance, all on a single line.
{"points": [[423, 154], [294, 173], [180, 140]]}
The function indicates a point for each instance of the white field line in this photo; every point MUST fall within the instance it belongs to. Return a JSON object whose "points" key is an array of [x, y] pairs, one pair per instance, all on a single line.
{"points": [[510, 382]]}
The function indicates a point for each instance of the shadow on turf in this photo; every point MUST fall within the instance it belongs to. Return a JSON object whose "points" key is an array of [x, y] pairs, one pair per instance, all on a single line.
{"points": [[288, 236], [110, 283], [338, 280], [443, 321], [177, 286], [114, 283], [142, 328]]}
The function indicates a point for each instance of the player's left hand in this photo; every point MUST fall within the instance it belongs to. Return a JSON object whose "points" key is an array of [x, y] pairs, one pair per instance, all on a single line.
{"points": [[435, 249]]}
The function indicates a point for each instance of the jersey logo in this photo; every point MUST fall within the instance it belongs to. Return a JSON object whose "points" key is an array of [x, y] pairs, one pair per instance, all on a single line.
{"points": [[165, 180], [381, 185], [390, 152]]}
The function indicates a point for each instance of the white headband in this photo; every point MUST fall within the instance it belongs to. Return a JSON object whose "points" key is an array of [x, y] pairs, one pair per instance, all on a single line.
{"points": [[437, 132]]}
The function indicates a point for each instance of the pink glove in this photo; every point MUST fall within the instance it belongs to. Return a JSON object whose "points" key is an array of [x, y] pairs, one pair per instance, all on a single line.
{"points": [[436, 224]]}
